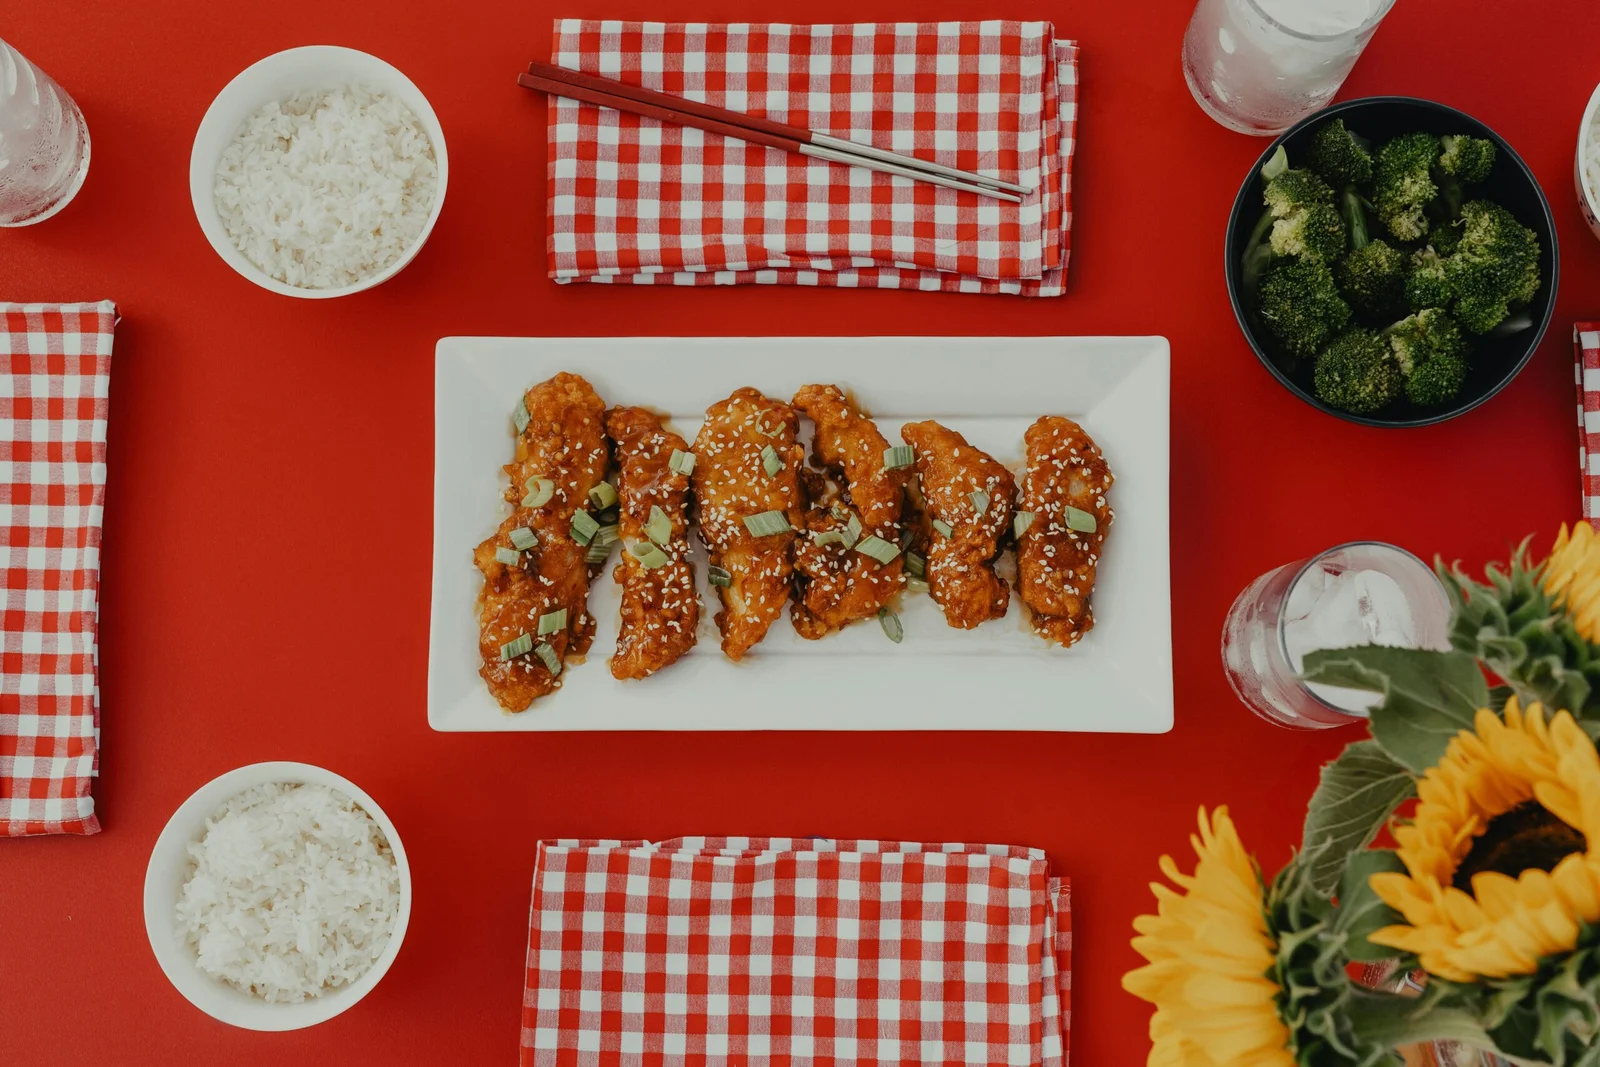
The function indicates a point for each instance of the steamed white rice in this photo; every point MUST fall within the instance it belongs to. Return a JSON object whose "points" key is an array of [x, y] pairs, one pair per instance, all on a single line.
{"points": [[293, 891], [328, 187]]}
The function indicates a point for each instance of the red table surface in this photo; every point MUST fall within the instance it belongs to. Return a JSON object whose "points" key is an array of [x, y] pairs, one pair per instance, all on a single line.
{"points": [[267, 537]]}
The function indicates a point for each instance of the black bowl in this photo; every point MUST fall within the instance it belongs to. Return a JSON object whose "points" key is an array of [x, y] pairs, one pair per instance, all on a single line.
{"points": [[1495, 360]]}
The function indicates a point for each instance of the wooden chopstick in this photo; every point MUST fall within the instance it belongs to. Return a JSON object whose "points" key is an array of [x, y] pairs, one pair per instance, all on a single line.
{"points": [[664, 107]]}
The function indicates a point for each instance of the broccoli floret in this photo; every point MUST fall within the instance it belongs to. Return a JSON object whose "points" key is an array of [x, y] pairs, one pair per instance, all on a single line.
{"points": [[1294, 190], [1300, 305], [1445, 237], [1427, 335], [1469, 159], [1357, 373], [1403, 183], [1373, 280], [1315, 232], [1494, 269], [1428, 285], [1338, 157], [1436, 382]]}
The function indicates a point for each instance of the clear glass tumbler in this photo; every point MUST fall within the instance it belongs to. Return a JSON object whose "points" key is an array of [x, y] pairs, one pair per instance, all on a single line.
{"points": [[1259, 66], [44, 143], [1361, 593]]}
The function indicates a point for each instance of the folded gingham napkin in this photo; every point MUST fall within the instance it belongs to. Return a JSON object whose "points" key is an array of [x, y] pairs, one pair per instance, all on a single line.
{"points": [[635, 200], [1586, 348], [779, 951], [53, 389]]}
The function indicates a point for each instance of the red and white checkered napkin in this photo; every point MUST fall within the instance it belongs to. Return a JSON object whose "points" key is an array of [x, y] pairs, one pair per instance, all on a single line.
{"points": [[53, 387], [778, 951], [1586, 349], [634, 200]]}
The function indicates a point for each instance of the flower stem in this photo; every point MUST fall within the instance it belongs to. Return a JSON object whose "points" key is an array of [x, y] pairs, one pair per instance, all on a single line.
{"points": [[1393, 1020]]}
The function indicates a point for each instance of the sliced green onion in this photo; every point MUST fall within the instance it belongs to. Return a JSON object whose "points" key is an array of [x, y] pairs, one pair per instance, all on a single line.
{"points": [[771, 462], [767, 523], [827, 537], [879, 549], [598, 550], [852, 531], [916, 585], [1081, 521], [1020, 524], [891, 625], [603, 496], [898, 457], [551, 661], [719, 577], [551, 621], [764, 432], [540, 490], [840, 512], [944, 528], [681, 462], [649, 555], [980, 502], [524, 538], [606, 536], [907, 536], [659, 528], [519, 414], [509, 556], [916, 566], [519, 647], [583, 527]]}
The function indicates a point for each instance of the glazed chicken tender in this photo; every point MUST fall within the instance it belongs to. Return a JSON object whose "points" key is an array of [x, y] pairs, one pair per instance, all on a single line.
{"points": [[838, 583], [971, 493], [660, 607], [747, 516], [532, 567], [1065, 488]]}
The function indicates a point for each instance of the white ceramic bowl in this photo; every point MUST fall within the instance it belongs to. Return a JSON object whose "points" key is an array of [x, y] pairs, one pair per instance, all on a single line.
{"points": [[1588, 195], [278, 77], [163, 881]]}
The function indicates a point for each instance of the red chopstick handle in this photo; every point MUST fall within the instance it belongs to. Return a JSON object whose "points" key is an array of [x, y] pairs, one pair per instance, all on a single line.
{"points": [[639, 94], [660, 113]]}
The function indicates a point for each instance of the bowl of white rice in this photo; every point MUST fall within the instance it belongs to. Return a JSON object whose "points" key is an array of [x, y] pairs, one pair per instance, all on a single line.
{"points": [[277, 896], [1586, 175], [318, 172]]}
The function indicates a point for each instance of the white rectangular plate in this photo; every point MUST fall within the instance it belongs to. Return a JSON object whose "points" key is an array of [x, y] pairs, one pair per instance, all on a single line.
{"points": [[997, 677]]}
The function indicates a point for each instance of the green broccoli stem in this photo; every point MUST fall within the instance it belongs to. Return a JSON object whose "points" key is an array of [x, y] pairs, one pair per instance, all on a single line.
{"points": [[1258, 255], [1355, 217]]}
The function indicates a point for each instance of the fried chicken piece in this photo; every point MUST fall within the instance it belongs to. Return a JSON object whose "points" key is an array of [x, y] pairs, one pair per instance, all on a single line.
{"points": [[731, 485], [565, 443], [960, 567], [660, 607], [1055, 562], [837, 584]]}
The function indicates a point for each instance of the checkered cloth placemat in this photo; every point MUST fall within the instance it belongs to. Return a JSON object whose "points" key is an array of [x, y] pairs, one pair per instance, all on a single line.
{"points": [[637, 201], [777, 951], [53, 389], [1586, 349]]}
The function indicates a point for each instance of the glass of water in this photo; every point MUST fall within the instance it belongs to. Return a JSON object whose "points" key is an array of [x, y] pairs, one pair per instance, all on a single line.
{"points": [[1259, 66], [44, 144], [1362, 593]]}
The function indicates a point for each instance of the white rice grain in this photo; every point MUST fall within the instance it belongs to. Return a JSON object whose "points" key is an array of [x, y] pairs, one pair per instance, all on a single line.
{"points": [[293, 892], [327, 188]]}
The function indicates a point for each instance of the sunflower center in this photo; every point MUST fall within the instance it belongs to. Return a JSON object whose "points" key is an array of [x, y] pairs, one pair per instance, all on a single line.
{"points": [[1524, 838]]}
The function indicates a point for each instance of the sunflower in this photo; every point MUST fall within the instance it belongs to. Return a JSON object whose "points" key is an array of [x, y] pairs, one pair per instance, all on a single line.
{"points": [[1500, 859], [1572, 576], [1211, 961]]}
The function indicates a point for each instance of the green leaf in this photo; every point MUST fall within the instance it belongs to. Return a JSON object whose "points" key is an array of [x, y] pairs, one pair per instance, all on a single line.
{"points": [[1360, 911], [1357, 794], [1429, 697]]}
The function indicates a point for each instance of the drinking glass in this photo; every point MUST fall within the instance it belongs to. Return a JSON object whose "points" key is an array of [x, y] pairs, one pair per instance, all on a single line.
{"points": [[1258, 66], [44, 144], [1361, 593]]}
